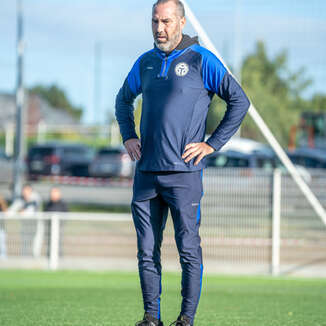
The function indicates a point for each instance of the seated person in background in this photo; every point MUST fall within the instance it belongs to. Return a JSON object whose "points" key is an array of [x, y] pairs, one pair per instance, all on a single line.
{"points": [[55, 204], [29, 202], [32, 229]]}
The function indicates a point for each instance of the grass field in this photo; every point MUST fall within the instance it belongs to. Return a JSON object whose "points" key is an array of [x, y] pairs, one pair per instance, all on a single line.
{"points": [[95, 299]]}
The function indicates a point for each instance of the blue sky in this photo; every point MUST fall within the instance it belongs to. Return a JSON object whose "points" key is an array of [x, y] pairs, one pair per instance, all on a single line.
{"points": [[60, 39]]}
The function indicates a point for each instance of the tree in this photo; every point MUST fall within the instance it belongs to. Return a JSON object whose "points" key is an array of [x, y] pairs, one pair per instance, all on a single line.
{"points": [[215, 114], [57, 98], [317, 103], [275, 91]]}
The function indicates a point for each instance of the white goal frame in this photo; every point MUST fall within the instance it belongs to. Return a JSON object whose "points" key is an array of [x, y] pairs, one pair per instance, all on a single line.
{"points": [[305, 189]]}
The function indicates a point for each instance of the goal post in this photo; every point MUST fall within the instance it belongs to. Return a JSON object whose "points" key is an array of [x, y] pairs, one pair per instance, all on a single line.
{"points": [[305, 189]]}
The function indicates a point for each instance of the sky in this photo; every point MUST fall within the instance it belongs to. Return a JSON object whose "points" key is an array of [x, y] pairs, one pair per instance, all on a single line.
{"points": [[61, 36]]}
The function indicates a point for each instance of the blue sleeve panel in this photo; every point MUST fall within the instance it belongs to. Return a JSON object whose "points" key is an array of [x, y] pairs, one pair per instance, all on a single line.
{"points": [[237, 106], [212, 70], [124, 108], [133, 78]]}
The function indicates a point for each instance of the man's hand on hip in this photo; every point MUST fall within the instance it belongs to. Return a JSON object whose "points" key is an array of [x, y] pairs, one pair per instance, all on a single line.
{"points": [[196, 149], [133, 148]]}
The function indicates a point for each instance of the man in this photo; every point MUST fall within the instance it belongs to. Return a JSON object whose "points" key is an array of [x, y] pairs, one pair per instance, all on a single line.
{"points": [[177, 80], [32, 231], [55, 204]]}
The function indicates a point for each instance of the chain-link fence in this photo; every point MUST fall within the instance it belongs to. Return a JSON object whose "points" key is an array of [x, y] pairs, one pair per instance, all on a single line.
{"points": [[236, 231]]}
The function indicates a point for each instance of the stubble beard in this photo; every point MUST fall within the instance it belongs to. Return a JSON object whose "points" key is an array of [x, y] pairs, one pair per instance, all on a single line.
{"points": [[171, 44]]}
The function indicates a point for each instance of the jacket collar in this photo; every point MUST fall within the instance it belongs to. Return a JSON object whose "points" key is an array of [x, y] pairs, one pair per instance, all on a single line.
{"points": [[185, 43]]}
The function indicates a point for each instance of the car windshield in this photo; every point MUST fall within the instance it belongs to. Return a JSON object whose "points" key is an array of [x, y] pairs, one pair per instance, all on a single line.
{"points": [[41, 152], [228, 161], [81, 152]]}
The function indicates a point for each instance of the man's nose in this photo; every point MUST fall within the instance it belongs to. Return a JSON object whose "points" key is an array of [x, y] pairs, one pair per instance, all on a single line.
{"points": [[159, 27]]}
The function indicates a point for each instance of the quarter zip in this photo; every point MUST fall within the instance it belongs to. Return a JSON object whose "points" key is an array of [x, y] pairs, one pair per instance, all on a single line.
{"points": [[164, 66], [166, 61]]}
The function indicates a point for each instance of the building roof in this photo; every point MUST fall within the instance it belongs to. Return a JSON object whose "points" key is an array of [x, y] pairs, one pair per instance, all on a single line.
{"points": [[37, 110]]}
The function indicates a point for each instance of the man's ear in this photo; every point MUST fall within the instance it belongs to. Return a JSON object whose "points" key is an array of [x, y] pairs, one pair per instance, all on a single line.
{"points": [[183, 22]]}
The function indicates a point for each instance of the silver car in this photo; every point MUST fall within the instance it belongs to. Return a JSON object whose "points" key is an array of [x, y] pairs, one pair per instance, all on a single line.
{"points": [[112, 162]]}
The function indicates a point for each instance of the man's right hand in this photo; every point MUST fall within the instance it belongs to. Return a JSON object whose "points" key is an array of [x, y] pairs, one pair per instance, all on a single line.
{"points": [[133, 148]]}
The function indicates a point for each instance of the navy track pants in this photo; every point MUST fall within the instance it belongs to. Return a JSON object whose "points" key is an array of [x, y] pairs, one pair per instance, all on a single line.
{"points": [[153, 194]]}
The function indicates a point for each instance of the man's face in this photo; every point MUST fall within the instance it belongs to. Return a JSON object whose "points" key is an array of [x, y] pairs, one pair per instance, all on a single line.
{"points": [[27, 192], [55, 194], [167, 26]]}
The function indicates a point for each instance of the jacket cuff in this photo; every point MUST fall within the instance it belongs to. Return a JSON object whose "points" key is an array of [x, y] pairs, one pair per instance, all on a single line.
{"points": [[130, 136], [214, 143]]}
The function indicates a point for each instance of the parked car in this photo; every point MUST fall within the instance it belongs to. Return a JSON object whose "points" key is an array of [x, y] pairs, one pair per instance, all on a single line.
{"points": [[112, 162], [235, 159], [59, 159], [310, 158]]}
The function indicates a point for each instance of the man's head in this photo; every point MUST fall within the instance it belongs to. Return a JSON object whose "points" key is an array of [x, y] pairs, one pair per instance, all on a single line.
{"points": [[168, 21], [27, 192], [55, 194]]}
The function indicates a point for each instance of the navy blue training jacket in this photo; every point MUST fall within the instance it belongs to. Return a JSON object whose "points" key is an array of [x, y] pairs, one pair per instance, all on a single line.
{"points": [[177, 89]]}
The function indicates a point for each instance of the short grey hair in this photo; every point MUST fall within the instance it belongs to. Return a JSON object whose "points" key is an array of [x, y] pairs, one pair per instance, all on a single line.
{"points": [[178, 3]]}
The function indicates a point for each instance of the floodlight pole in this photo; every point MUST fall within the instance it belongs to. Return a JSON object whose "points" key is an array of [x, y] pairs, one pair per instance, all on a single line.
{"points": [[314, 202], [20, 94], [97, 82]]}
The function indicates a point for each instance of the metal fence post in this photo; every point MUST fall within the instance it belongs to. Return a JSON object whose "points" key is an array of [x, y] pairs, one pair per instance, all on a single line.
{"points": [[41, 132], [54, 244], [276, 231], [9, 139]]}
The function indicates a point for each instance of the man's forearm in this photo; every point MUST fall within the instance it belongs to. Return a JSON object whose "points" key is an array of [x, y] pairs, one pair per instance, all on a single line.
{"points": [[124, 114], [237, 107]]}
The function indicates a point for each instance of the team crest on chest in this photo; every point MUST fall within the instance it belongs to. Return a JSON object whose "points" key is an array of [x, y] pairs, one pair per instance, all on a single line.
{"points": [[181, 69]]}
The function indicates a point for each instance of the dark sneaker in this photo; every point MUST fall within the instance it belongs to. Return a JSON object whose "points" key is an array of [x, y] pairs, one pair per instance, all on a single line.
{"points": [[149, 321], [182, 321]]}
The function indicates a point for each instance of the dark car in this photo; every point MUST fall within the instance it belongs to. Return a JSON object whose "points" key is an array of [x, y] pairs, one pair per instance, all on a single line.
{"points": [[256, 162], [59, 159], [310, 158], [112, 162], [234, 159]]}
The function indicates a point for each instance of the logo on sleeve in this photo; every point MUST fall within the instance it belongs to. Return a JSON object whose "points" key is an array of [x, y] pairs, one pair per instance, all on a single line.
{"points": [[181, 69]]}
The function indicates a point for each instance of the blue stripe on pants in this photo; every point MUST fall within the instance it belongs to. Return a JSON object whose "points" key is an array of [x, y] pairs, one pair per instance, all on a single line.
{"points": [[153, 194], [149, 219]]}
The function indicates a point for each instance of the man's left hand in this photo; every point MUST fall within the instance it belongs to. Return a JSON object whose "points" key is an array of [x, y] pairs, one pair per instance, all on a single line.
{"points": [[196, 149]]}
